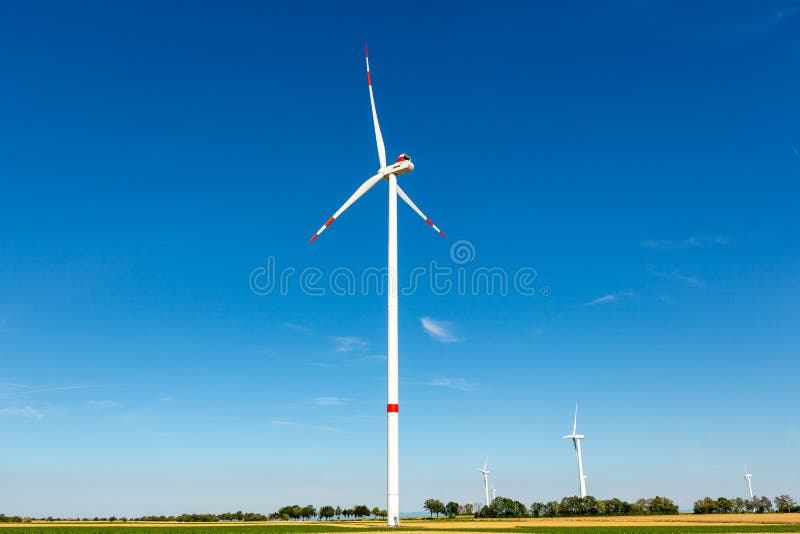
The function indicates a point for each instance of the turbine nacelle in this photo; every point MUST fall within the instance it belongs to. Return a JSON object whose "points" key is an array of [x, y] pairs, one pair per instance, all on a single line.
{"points": [[574, 436], [402, 165]]}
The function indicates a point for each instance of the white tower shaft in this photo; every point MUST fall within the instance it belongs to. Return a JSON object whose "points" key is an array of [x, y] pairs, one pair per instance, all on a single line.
{"points": [[581, 477], [392, 408], [486, 487]]}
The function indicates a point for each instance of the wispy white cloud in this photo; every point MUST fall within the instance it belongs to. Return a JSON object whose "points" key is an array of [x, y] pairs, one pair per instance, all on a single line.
{"points": [[16, 389], [28, 412], [307, 428], [677, 276], [302, 329], [452, 383], [689, 242], [348, 343], [369, 359], [15, 385], [608, 298], [104, 404], [446, 382], [439, 330], [358, 417], [330, 401], [605, 299]]}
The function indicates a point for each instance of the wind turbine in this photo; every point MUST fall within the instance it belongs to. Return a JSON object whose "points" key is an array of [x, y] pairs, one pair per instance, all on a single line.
{"points": [[389, 173], [485, 473], [494, 493], [747, 477], [576, 441]]}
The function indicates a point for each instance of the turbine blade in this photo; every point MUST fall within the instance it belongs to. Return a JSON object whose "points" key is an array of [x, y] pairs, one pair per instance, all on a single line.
{"points": [[378, 134], [366, 186], [575, 421], [486, 463], [414, 207]]}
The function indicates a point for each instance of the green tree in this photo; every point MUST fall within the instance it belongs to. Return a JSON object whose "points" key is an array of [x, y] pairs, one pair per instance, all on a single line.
{"points": [[361, 511], [538, 509], [739, 505], [706, 505], [434, 506], [570, 506], [589, 506], [504, 507], [451, 509], [551, 509], [661, 506], [338, 512], [468, 509], [617, 507], [763, 505], [785, 504], [724, 506]]}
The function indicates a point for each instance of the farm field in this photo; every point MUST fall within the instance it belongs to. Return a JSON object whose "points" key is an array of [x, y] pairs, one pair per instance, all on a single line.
{"points": [[689, 523]]}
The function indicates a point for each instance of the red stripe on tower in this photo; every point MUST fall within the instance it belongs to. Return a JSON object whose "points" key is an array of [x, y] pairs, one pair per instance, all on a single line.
{"points": [[392, 408]]}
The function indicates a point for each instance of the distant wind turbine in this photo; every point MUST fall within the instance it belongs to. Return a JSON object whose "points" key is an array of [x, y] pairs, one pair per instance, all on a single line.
{"points": [[576, 441], [747, 477], [494, 493], [485, 472]]}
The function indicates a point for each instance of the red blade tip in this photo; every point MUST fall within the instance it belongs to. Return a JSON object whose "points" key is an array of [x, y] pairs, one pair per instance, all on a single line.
{"points": [[313, 238]]}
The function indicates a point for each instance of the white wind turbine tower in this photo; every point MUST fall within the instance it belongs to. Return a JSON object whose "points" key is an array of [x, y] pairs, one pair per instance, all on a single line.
{"points": [[576, 440], [494, 493], [747, 477], [389, 173], [485, 472]]}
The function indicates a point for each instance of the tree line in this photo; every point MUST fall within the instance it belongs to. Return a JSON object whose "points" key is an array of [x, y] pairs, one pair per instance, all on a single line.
{"points": [[500, 507], [568, 507], [296, 512], [758, 505]]}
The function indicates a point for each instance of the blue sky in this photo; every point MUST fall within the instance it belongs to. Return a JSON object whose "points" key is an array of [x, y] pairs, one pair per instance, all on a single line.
{"points": [[640, 156]]}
